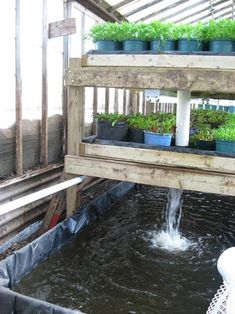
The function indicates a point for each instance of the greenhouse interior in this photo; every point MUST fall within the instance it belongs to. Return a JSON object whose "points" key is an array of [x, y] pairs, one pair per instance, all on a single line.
{"points": [[117, 157]]}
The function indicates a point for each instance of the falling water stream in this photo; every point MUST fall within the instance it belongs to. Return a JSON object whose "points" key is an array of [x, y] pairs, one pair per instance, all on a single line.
{"points": [[169, 237], [137, 261]]}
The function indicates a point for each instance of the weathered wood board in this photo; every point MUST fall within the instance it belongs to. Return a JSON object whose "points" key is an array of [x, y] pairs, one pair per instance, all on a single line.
{"points": [[158, 157], [160, 60], [173, 177]]}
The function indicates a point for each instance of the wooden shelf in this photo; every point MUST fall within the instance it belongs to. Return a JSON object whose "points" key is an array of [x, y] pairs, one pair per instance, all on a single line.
{"points": [[202, 75]]}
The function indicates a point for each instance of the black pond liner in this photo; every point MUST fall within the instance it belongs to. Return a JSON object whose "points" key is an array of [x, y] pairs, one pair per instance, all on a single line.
{"points": [[23, 261]]}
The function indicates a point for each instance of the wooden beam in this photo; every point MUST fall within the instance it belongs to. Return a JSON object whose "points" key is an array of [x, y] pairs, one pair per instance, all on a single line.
{"points": [[116, 100], [44, 121], [161, 60], [106, 105], [195, 80], [98, 10], [158, 157], [18, 94], [173, 177], [95, 108], [143, 7]]}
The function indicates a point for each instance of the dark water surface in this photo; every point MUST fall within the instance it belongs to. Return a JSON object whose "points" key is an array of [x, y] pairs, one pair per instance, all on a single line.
{"points": [[112, 267]]}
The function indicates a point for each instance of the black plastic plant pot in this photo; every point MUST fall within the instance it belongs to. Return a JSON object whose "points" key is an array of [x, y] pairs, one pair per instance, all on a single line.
{"points": [[135, 135], [206, 145], [158, 45], [190, 45], [108, 45], [106, 131], [135, 45], [222, 46]]}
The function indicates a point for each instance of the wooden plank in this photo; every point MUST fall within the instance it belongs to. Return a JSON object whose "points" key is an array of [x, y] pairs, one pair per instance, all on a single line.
{"points": [[62, 28], [187, 179], [18, 94], [158, 157], [95, 108], [161, 60], [75, 132], [106, 103], [208, 81], [44, 121]]}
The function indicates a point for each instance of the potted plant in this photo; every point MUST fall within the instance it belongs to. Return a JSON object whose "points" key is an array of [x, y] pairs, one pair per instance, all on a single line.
{"points": [[225, 138], [106, 36], [137, 124], [205, 139], [111, 126], [221, 35], [134, 36], [159, 132], [190, 37], [161, 36]]}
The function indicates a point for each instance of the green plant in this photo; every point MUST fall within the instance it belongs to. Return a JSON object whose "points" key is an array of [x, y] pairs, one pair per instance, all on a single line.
{"points": [[205, 134], [161, 31], [110, 117], [202, 117], [137, 121], [156, 123], [105, 31], [220, 29], [128, 30], [225, 132], [189, 31]]}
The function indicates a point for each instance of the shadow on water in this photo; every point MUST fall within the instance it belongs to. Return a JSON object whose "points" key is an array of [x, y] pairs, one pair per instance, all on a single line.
{"points": [[113, 266]]}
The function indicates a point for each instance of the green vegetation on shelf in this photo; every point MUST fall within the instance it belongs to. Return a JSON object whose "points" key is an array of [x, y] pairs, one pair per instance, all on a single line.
{"points": [[110, 117], [220, 29], [105, 31], [189, 31], [202, 117], [213, 30], [225, 132]]}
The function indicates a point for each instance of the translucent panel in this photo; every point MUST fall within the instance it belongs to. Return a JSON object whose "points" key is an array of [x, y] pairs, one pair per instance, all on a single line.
{"points": [[31, 21], [55, 81], [31, 57], [7, 65], [54, 10], [76, 39], [7, 19], [89, 22]]}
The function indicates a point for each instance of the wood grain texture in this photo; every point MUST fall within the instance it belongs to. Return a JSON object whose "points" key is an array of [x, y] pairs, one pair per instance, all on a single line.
{"points": [[173, 177], [161, 60], [207, 81], [158, 157]]}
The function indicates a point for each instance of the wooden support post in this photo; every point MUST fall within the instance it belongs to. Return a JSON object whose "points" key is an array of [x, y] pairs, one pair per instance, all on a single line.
{"points": [[106, 100], [183, 118], [75, 131], [143, 103], [18, 94], [44, 122]]}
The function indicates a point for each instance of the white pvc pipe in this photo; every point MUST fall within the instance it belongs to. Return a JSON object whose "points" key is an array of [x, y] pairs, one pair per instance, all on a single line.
{"points": [[25, 200], [183, 118]]}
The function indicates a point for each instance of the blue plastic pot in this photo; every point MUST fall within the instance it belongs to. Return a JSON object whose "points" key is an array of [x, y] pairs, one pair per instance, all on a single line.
{"points": [[222, 45], [135, 45], [158, 45], [225, 146], [190, 45], [108, 45], [152, 138]]}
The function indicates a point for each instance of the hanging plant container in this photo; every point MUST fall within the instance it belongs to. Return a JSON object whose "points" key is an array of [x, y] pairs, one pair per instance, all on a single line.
{"points": [[190, 45], [158, 45], [205, 145], [225, 146], [108, 45], [222, 46], [107, 131], [135, 45], [135, 135], [152, 138]]}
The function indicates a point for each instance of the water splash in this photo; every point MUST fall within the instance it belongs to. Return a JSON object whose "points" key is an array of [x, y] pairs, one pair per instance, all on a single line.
{"points": [[170, 238]]}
